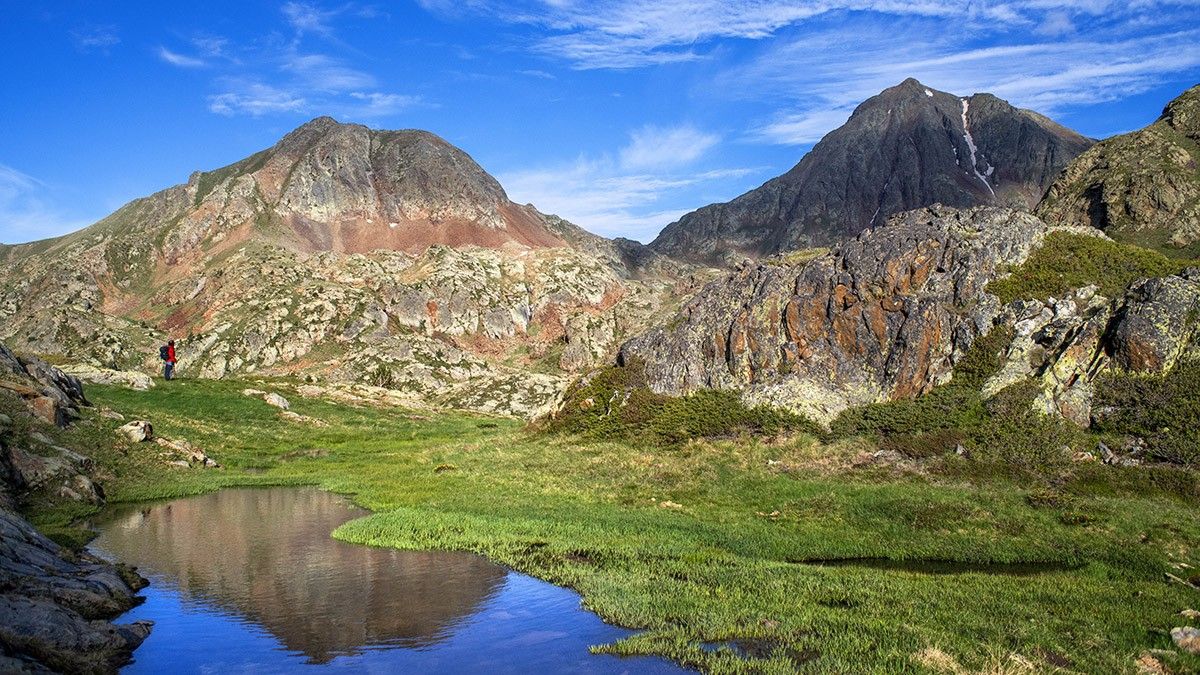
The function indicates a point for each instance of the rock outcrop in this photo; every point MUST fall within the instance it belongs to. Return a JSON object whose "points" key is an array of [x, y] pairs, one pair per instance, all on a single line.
{"points": [[908, 147], [1142, 187], [54, 604], [885, 315], [1065, 343]]}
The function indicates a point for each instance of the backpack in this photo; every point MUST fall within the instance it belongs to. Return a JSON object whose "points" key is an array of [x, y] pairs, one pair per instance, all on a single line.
{"points": [[162, 352]]}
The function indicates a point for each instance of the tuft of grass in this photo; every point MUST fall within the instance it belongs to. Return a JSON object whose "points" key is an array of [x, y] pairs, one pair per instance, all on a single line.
{"points": [[1163, 410], [1067, 261]]}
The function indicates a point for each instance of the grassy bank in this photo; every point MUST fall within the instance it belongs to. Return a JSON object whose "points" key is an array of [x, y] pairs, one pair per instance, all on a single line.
{"points": [[733, 544]]}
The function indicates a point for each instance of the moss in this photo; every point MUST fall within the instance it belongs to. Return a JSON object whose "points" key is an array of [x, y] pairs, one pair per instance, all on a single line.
{"points": [[1067, 261]]}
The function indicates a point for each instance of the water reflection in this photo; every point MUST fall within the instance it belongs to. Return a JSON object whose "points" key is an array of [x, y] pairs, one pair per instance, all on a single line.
{"points": [[250, 579]]}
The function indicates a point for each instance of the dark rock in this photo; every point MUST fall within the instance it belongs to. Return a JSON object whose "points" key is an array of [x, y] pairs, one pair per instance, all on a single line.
{"points": [[906, 148]]}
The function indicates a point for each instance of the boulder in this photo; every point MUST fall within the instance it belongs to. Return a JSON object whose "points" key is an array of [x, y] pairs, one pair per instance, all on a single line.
{"points": [[137, 431], [125, 378], [1186, 638], [276, 400]]}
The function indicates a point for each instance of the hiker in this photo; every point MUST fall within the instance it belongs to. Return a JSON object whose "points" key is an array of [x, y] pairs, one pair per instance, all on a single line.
{"points": [[167, 354]]}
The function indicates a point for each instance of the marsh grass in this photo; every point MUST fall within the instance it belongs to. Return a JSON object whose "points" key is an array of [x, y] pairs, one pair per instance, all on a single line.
{"points": [[705, 545]]}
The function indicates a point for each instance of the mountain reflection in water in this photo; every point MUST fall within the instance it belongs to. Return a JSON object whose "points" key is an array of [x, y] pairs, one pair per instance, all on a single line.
{"points": [[267, 555]]}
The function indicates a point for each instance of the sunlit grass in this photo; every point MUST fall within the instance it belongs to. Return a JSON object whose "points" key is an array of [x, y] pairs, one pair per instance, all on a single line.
{"points": [[711, 542]]}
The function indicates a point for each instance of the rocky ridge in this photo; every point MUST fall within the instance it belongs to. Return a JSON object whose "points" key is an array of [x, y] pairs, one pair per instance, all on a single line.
{"points": [[908, 147], [348, 254], [1142, 187], [888, 314]]}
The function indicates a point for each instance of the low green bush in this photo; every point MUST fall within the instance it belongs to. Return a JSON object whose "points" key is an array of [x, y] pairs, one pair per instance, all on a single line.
{"points": [[1163, 410], [1068, 261], [615, 403]]}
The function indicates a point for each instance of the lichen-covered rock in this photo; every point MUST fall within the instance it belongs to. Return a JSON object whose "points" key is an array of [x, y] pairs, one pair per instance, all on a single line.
{"points": [[1065, 343], [273, 399], [96, 375], [1142, 187], [885, 315], [137, 431]]}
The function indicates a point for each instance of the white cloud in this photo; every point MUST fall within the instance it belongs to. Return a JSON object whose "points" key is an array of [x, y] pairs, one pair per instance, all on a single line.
{"points": [[255, 99], [656, 147], [306, 17], [179, 59], [95, 38], [24, 212], [326, 74], [602, 197], [804, 128], [378, 104]]}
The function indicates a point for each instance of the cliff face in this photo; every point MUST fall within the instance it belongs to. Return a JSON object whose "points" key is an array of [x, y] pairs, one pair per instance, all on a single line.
{"points": [[1142, 187], [906, 148], [885, 315]]}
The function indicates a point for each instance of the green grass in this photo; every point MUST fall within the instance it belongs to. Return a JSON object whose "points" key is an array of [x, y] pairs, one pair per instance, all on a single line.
{"points": [[727, 558], [1068, 261]]}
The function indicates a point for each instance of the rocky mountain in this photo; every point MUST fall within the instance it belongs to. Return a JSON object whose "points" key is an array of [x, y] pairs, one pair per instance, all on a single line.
{"points": [[1142, 187], [359, 257], [908, 147], [888, 315]]}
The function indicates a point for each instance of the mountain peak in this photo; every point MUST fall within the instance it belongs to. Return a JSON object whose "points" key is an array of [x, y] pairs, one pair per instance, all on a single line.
{"points": [[907, 147]]}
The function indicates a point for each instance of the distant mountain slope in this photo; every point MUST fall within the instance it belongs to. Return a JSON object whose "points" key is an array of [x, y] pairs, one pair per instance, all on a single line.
{"points": [[347, 254], [1142, 187], [908, 147]]}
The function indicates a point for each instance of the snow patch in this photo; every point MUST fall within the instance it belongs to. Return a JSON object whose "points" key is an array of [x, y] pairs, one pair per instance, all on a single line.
{"points": [[929, 93], [971, 146], [393, 225]]}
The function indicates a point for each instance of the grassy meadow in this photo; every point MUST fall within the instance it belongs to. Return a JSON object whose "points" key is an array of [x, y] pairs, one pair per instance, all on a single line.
{"points": [[739, 554]]}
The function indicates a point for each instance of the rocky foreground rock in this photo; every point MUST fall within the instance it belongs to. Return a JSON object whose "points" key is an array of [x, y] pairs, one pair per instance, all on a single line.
{"points": [[888, 314], [55, 604]]}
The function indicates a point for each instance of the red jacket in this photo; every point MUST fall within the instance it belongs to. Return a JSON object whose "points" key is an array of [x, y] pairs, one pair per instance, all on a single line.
{"points": [[170, 353]]}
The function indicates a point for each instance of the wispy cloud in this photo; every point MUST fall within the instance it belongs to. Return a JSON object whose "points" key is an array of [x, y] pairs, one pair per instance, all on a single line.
{"points": [[306, 17], [276, 76], [95, 38], [255, 99], [378, 104], [326, 74], [631, 193], [25, 212], [653, 147], [181, 60], [823, 76]]}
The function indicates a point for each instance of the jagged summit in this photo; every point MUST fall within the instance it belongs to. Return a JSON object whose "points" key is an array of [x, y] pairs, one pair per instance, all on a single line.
{"points": [[907, 147]]}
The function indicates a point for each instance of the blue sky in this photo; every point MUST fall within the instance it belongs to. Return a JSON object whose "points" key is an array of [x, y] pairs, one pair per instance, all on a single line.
{"points": [[619, 115]]}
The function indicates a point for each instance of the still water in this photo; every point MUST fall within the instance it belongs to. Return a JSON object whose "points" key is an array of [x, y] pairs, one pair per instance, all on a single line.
{"points": [[250, 581]]}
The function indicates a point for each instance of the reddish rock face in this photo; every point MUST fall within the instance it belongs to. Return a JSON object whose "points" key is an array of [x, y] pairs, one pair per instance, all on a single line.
{"points": [[885, 315]]}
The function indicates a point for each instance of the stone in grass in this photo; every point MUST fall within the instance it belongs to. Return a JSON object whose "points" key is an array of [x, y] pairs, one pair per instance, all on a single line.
{"points": [[137, 431], [253, 392], [276, 400], [1186, 638], [1190, 614]]}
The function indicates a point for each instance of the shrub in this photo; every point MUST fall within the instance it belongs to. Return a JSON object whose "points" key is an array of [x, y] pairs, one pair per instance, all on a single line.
{"points": [[1163, 410], [1068, 261], [615, 403]]}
